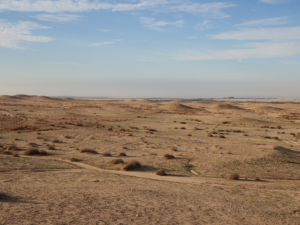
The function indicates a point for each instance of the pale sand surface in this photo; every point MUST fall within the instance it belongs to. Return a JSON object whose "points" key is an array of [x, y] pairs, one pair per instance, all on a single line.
{"points": [[245, 138]]}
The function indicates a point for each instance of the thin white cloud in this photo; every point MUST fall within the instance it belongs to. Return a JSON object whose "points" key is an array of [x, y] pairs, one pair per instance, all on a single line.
{"points": [[56, 6], [61, 63], [291, 62], [275, 1], [13, 35], [205, 25], [279, 33], [57, 17], [208, 9], [103, 30], [158, 25], [192, 37], [102, 43], [265, 22], [250, 50]]}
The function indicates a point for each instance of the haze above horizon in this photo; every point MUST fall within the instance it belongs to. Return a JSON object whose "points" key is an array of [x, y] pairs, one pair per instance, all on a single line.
{"points": [[150, 48]]}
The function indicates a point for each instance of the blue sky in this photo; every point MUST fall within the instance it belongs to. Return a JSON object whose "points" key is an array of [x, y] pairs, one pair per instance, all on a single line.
{"points": [[150, 48]]}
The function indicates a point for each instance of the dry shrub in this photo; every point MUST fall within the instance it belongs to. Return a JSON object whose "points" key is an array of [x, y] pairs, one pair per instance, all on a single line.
{"points": [[56, 141], [132, 165], [182, 128], [43, 152], [13, 147], [116, 161], [209, 135], [161, 172], [6, 152], [87, 150], [243, 187], [245, 135], [174, 149], [51, 147], [74, 160], [152, 153], [124, 147], [175, 128], [189, 135], [234, 176], [257, 179], [106, 154], [67, 137], [32, 151], [78, 124], [122, 154], [16, 155], [221, 136], [168, 156], [130, 134]]}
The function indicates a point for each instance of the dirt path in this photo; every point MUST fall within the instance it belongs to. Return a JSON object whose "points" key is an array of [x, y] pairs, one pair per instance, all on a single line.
{"points": [[250, 184]]}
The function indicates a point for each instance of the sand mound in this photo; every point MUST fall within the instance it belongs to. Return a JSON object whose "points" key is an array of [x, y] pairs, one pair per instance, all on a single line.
{"points": [[42, 98], [268, 108], [175, 106], [8, 97], [145, 101], [226, 106]]}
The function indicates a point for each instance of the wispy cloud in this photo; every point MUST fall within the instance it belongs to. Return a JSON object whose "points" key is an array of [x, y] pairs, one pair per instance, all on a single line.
{"points": [[61, 63], [291, 62], [265, 22], [208, 9], [158, 25], [56, 6], [103, 30], [13, 35], [275, 1], [205, 25], [250, 50], [102, 43], [192, 37], [279, 33], [57, 17]]}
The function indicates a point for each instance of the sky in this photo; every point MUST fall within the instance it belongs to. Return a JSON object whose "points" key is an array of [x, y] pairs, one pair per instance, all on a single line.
{"points": [[150, 48]]}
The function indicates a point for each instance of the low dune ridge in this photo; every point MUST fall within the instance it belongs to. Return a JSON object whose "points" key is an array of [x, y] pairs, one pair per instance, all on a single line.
{"points": [[268, 108], [175, 106], [226, 106]]}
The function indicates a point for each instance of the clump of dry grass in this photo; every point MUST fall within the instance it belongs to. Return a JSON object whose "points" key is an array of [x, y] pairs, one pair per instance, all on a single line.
{"points": [[152, 153], [13, 147], [35, 151], [74, 160], [51, 147], [161, 172], [87, 150], [168, 156], [174, 149], [122, 154], [106, 154], [43, 152], [116, 161], [16, 155], [56, 141], [234, 176], [6, 152], [132, 165]]}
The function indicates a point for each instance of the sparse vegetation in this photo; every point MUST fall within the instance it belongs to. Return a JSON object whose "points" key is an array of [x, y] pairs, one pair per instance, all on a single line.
{"points": [[168, 156], [87, 150], [234, 176], [132, 165], [106, 154], [116, 161], [161, 172]]}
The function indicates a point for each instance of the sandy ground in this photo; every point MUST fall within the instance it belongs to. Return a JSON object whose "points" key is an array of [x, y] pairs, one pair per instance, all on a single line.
{"points": [[209, 142]]}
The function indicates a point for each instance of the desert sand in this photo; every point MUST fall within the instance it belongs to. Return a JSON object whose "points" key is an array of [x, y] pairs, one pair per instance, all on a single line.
{"points": [[79, 161]]}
